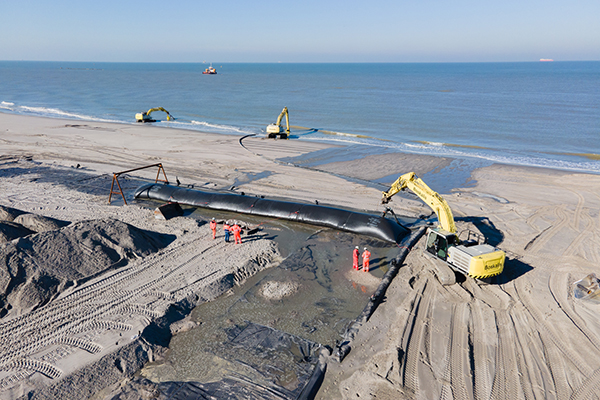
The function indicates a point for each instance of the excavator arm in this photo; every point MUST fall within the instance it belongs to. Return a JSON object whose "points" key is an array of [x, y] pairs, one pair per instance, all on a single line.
{"points": [[431, 198], [145, 116], [287, 119]]}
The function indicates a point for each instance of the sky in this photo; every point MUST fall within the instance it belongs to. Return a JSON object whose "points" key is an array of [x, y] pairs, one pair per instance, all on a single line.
{"points": [[300, 31]]}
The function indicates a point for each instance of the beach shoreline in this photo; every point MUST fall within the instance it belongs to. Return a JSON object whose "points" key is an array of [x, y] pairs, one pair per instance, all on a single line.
{"points": [[546, 220]]}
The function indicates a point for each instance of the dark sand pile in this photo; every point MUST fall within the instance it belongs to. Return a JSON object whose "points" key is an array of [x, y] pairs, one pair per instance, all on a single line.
{"points": [[36, 267], [16, 223]]}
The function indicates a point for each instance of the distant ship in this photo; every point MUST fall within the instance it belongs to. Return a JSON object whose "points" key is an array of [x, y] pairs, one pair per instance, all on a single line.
{"points": [[210, 70], [546, 59]]}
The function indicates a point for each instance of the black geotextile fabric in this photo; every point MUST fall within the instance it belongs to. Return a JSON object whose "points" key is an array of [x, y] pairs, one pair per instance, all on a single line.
{"points": [[263, 363], [365, 224]]}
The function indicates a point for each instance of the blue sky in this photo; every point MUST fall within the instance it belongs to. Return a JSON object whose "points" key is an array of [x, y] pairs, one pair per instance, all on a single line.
{"points": [[300, 31]]}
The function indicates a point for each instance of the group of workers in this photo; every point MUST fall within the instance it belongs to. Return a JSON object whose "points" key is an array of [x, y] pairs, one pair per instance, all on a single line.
{"points": [[228, 230], [237, 235], [366, 256]]}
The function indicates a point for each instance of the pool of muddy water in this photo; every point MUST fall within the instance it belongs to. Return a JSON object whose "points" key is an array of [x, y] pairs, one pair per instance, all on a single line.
{"points": [[313, 294]]}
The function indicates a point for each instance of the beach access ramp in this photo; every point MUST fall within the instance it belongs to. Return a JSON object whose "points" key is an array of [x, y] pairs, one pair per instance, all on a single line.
{"points": [[337, 218]]}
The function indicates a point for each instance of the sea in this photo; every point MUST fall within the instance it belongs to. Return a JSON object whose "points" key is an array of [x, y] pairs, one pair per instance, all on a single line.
{"points": [[542, 114]]}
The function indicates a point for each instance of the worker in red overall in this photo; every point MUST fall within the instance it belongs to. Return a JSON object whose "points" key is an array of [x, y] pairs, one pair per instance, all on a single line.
{"points": [[355, 254], [213, 227], [226, 229], [366, 255], [237, 233]]}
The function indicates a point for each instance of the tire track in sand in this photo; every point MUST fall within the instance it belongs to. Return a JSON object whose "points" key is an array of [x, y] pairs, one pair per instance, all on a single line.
{"points": [[579, 215], [459, 364], [506, 381], [414, 346], [556, 228], [552, 345], [482, 383], [588, 390]]}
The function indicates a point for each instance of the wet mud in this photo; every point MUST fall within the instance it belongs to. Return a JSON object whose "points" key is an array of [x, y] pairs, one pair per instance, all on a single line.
{"points": [[318, 295]]}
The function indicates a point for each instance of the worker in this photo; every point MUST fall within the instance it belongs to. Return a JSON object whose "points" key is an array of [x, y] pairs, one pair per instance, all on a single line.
{"points": [[355, 254], [213, 227], [366, 256], [237, 233], [226, 229]]}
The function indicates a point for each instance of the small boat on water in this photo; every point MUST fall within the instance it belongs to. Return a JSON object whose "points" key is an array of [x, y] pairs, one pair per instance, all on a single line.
{"points": [[210, 70]]}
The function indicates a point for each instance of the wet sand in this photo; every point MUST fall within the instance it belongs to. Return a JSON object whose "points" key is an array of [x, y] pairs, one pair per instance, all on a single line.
{"points": [[521, 336]]}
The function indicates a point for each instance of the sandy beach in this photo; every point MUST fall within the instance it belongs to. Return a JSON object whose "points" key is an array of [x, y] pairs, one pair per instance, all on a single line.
{"points": [[74, 330]]}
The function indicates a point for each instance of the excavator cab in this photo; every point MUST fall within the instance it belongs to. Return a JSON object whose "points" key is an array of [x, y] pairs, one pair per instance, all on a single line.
{"points": [[439, 241]]}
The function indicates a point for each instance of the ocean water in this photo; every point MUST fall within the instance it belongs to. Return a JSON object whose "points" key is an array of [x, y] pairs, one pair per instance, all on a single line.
{"points": [[543, 114]]}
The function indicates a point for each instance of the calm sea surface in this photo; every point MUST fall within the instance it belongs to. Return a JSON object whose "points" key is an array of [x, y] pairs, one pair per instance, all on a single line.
{"points": [[538, 114]]}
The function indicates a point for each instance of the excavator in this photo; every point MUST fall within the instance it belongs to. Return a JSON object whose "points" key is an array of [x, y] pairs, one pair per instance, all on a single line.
{"points": [[469, 257], [145, 116], [276, 129]]}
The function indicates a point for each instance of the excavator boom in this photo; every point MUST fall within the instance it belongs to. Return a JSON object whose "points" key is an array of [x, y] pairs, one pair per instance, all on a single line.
{"points": [[145, 116], [276, 129], [475, 260], [431, 198]]}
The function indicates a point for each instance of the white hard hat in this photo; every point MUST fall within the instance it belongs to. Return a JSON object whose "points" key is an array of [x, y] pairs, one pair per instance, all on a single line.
{"points": [[357, 247], [365, 248]]}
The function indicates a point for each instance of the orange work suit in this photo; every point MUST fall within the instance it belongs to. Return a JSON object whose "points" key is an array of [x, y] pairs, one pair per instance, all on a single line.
{"points": [[366, 256], [355, 254], [213, 226], [237, 231]]}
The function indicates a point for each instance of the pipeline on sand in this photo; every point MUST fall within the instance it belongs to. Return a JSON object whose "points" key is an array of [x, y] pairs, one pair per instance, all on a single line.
{"points": [[350, 221]]}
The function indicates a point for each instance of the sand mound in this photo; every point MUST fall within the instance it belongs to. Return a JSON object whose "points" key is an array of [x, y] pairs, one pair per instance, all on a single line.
{"points": [[39, 223], [273, 290], [11, 230], [9, 214], [35, 268]]}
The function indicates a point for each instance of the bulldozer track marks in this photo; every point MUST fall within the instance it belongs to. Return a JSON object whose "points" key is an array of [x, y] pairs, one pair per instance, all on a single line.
{"points": [[482, 383], [556, 228], [589, 388], [506, 381], [459, 350], [481, 341], [414, 337], [137, 293]]}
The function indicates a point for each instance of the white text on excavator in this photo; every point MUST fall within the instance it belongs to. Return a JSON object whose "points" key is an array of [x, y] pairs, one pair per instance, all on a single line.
{"points": [[276, 129], [467, 257]]}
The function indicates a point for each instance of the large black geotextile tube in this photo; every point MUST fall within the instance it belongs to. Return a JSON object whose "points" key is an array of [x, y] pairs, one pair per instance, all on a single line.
{"points": [[342, 350], [361, 223]]}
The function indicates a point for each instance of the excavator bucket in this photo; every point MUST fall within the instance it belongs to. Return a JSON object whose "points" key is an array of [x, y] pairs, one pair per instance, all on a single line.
{"points": [[587, 288]]}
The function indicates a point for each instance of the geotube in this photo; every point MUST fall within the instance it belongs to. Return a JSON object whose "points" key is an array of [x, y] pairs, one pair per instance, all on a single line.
{"points": [[350, 221]]}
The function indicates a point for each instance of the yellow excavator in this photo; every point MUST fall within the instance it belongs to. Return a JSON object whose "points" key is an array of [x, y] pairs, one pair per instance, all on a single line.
{"points": [[145, 116], [276, 129], [469, 257]]}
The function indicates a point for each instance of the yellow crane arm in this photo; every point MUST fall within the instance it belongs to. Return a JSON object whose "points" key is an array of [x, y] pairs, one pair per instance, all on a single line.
{"points": [[159, 109], [431, 198], [287, 119]]}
